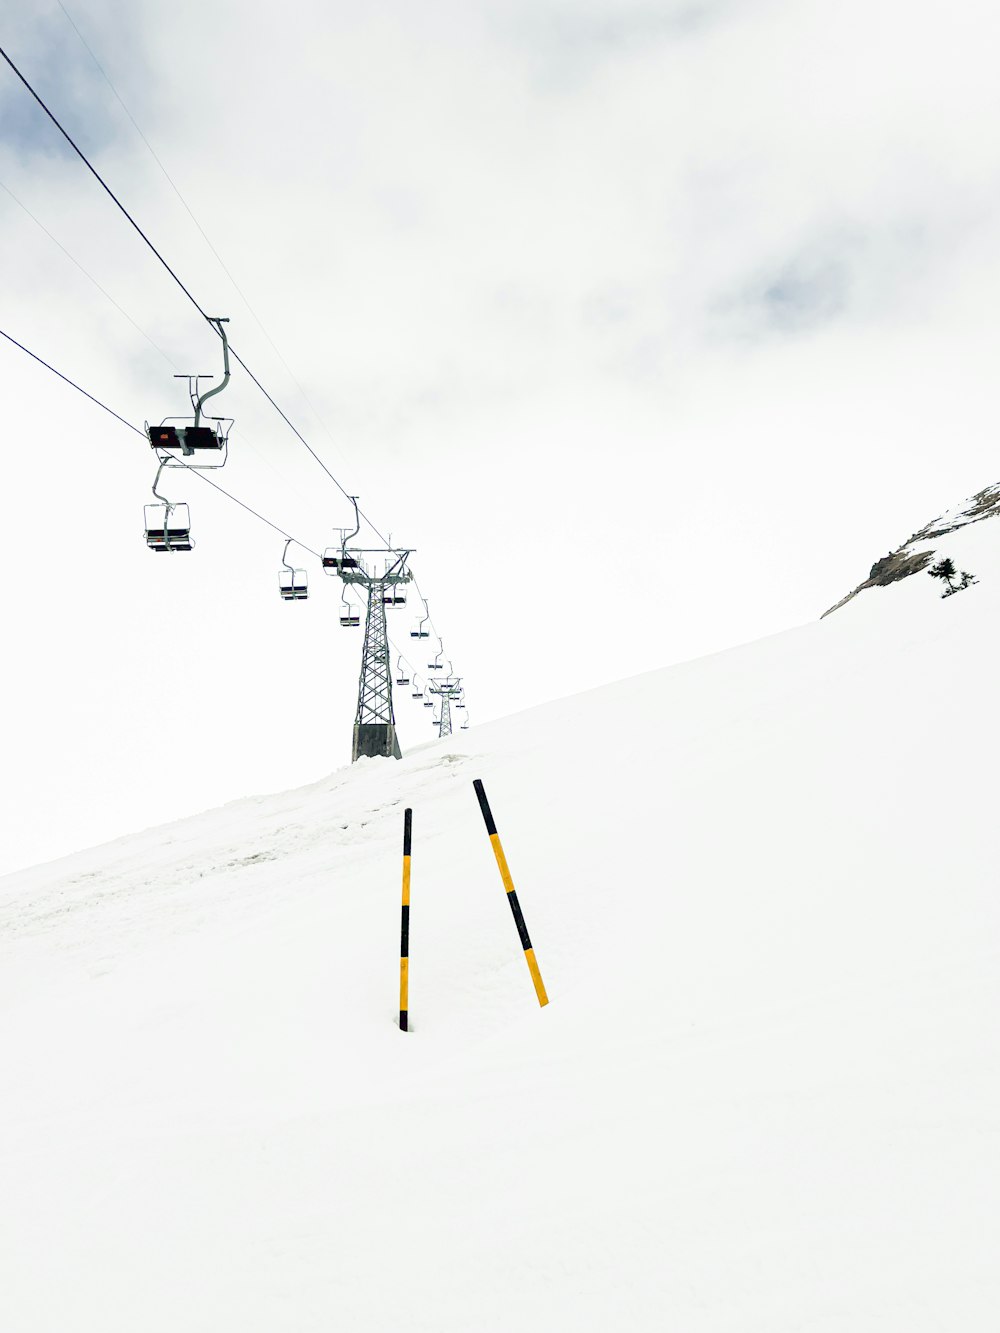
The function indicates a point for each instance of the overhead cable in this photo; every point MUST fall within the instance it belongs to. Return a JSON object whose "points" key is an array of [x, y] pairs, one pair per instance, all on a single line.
{"points": [[133, 223], [177, 461]]}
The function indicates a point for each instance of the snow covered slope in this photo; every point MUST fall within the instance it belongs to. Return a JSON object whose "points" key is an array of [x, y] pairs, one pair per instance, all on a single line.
{"points": [[762, 890]]}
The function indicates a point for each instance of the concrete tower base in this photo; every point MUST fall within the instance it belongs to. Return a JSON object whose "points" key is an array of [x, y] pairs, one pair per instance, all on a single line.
{"points": [[375, 740]]}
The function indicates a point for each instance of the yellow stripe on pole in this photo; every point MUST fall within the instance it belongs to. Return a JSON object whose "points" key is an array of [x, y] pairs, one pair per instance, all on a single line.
{"points": [[536, 976], [404, 984], [508, 883], [406, 881]]}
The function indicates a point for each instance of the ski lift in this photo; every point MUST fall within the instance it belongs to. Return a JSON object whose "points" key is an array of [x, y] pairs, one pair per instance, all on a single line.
{"points": [[420, 632], [173, 444], [394, 596], [428, 703], [402, 678], [350, 617], [465, 723], [167, 525], [417, 691], [437, 665], [293, 584], [335, 559]]}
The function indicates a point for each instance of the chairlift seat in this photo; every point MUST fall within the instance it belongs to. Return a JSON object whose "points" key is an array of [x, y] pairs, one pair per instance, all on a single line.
{"points": [[163, 437], [350, 621], [201, 437], [420, 634], [185, 438], [173, 540]]}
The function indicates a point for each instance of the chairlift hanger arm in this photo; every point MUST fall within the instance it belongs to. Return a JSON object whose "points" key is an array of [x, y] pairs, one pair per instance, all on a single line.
{"points": [[217, 322], [345, 535]]}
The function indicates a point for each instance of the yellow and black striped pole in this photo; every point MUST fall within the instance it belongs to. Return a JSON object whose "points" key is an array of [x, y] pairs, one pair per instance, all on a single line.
{"points": [[404, 929], [508, 884]]}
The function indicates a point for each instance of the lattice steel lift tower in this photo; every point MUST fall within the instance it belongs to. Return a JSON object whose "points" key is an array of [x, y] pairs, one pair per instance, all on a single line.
{"points": [[447, 691], [382, 572]]}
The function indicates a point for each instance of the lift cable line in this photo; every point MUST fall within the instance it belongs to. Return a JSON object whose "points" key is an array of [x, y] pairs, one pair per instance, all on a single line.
{"points": [[205, 316], [86, 273], [190, 212], [213, 322], [72, 384], [221, 489]]}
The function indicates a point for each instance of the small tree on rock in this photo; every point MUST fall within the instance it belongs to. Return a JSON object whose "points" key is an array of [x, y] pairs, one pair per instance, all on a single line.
{"points": [[946, 571]]}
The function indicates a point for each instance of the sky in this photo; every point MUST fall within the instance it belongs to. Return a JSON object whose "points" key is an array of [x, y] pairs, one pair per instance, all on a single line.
{"points": [[647, 326]]}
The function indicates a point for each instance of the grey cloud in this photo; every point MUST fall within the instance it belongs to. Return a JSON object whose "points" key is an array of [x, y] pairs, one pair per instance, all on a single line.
{"points": [[53, 59], [569, 39]]}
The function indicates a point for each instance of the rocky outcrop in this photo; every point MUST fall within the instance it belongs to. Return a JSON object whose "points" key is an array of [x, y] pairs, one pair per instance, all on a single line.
{"points": [[904, 561]]}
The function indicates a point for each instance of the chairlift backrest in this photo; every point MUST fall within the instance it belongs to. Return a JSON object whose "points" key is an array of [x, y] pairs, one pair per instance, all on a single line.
{"points": [[186, 439]]}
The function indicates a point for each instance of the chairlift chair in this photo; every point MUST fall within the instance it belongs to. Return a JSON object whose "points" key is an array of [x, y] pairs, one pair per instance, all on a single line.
{"points": [[350, 617], [293, 584], [335, 558], [168, 527], [172, 443], [437, 665], [394, 596], [420, 632], [402, 678]]}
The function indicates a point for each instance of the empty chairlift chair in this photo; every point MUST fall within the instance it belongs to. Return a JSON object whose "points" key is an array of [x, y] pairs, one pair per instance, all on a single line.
{"points": [[207, 437], [421, 632], [293, 584], [168, 527], [350, 616], [402, 678]]}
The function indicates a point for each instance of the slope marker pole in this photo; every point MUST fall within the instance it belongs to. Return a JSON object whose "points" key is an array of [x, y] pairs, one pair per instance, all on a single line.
{"points": [[508, 883], [404, 928]]}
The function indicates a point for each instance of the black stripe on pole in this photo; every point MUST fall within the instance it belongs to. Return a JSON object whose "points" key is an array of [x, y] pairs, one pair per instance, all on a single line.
{"points": [[404, 928], [484, 805], [522, 929]]}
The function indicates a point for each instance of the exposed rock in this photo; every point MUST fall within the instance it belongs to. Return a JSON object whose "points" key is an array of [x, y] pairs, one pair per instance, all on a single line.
{"points": [[904, 561]]}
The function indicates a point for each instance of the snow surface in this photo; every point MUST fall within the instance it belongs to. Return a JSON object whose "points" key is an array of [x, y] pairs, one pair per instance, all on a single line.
{"points": [[762, 892]]}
